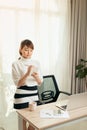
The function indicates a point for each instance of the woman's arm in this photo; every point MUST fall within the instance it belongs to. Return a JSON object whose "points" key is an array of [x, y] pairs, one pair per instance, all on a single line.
{"points": [[22, 80]]}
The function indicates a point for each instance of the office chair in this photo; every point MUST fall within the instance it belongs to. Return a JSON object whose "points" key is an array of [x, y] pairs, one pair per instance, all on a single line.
{"points": [[49, 91]]}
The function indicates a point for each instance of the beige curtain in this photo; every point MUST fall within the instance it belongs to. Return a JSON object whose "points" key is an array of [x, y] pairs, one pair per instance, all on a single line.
{"points": [[78, 41]]}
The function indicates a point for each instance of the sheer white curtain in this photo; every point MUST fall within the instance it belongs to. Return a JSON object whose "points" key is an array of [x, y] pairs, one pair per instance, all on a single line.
{"points": [[46, 23]]}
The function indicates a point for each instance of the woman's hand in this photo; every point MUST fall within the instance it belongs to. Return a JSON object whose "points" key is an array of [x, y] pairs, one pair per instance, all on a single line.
{"points": [[24, 77], [30, 69], [36, 76]]}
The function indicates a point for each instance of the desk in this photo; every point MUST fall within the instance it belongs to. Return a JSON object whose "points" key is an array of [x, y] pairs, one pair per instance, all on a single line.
{"points": [[33, 117]]}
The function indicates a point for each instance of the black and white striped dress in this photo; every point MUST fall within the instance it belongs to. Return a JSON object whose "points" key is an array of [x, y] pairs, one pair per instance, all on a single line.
{"points": [[24, 95], [28, 92]]}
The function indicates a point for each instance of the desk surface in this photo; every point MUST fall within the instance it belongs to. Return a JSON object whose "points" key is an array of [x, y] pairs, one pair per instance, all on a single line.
{"points": [[33, 117]]}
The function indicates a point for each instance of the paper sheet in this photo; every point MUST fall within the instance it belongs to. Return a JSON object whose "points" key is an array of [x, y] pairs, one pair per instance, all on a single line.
{"points": [[49, 113]]}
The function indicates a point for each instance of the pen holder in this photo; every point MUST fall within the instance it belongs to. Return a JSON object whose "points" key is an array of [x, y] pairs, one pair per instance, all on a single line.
{"points": [[32, 106]]}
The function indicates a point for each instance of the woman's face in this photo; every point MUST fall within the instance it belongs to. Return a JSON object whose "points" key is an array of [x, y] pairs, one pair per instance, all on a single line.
{"points": [[26, 52]]}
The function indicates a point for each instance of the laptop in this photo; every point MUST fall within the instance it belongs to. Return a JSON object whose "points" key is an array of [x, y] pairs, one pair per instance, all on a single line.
{"points": [[75, 101]]}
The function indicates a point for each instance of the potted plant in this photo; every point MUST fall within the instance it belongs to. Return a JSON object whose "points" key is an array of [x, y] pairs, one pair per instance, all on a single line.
{"points": [[81, 70]]}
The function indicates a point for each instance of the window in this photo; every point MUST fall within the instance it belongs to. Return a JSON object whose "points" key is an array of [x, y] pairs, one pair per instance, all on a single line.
{"points": [[41, 21]]}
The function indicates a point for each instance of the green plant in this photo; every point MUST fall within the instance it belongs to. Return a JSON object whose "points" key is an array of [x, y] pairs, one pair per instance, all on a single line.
{"points": [[81, 69]]}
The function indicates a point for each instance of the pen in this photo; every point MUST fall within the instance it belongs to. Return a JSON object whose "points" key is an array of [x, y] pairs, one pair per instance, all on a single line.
{"points": [[60, 108]]}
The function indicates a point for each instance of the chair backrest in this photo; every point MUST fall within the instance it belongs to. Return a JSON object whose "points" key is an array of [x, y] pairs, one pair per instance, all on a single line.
{"points": [[48, 91]]}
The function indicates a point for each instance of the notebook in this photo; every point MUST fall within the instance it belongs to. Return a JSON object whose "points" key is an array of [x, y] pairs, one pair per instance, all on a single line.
{"points": [[75, 101]]}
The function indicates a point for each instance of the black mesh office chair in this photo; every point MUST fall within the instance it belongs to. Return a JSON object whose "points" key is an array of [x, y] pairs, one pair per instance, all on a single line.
{"points": [[49, 91]]}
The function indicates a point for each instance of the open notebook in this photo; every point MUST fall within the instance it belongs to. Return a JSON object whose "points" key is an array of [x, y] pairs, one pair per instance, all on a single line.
{"points": [[75, 101]]}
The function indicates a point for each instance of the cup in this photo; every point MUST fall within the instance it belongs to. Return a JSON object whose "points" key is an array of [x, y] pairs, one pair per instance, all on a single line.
{"points": [[32, 106]]}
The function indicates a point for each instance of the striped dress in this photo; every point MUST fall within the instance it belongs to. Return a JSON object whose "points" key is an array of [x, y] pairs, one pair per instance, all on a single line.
{"points": [[28, 92]]}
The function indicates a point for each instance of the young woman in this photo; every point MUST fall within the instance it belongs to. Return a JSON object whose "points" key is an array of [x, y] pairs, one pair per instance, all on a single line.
{"points": [[26, 76]]}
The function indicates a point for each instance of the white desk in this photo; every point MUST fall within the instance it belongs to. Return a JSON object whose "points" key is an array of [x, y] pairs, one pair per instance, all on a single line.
{"points": [[33, 117]]}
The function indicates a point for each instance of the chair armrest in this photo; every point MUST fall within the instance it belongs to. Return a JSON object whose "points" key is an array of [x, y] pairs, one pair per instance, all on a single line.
{"points": [[65, 93]]}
